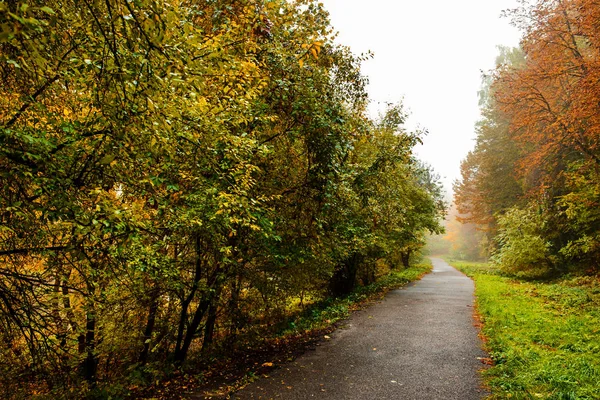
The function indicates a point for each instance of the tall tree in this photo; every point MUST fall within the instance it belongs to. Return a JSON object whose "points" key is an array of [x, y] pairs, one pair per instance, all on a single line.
{"points": [[547, 108], [489, 183], [172, 175]]}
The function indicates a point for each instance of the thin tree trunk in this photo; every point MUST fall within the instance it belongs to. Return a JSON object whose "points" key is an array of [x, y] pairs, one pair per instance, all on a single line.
{"points": [[344, 278], [209, 327], [150, 323], [211, 295], [233, 309], [90, 363], [191, 331], [405, 255], [188, 299]]}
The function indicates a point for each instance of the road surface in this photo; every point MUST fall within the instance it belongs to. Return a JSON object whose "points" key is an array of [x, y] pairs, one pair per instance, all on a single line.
{"points": [[418, 343]]}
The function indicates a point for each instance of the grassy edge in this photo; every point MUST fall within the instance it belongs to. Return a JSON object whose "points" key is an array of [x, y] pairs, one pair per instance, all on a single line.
{"points": [[531, 360], [478, 322]]}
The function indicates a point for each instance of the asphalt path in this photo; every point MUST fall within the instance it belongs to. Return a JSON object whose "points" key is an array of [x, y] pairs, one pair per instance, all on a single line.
{"points": [[418, 343]]}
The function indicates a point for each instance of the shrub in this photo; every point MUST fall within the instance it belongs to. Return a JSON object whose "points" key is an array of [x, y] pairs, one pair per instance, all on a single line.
{"points": [[523, 251]]}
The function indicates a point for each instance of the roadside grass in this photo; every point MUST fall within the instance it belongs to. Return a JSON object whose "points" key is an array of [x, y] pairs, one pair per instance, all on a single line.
{"points": [[543, 337]]}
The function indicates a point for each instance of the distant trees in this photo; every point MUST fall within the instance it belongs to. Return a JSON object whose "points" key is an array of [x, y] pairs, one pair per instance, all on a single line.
{"points": [[489, 185], [544, 155], [173, 174], [462, 240]]}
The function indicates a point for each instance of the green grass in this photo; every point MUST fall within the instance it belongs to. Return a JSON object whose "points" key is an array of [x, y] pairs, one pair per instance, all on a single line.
{"points": [[544, 337]]}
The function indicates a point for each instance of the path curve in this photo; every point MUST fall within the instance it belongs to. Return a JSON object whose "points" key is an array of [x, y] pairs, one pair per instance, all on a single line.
{"points": [[418, 343]]}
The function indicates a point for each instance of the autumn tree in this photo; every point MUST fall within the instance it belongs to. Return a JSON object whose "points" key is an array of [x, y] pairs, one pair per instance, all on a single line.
{"points": [[547, 160], [489, 184], [173, 174], [556, 122]]}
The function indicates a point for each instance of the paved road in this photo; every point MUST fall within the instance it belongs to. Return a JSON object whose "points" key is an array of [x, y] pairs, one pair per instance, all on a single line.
{"points": [[419, 343]]}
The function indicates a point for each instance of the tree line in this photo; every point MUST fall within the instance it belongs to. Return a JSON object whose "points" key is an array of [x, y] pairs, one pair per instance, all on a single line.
{"points": [[173, 175], [532, 183]]}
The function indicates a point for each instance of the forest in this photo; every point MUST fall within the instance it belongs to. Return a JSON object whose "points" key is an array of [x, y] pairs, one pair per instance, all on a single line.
{"points": [[177, 177], [527, 207], [531, 186]]}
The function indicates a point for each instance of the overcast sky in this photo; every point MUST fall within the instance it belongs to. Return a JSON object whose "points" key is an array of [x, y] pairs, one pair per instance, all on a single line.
{"points": [[431, 53]]}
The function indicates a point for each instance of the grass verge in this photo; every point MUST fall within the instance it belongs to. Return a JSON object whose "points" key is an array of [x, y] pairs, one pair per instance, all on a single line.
{"points": [[543, 337]]}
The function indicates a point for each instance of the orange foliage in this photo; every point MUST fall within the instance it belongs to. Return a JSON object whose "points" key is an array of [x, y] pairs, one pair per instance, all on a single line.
{"points": [[553, 101]]}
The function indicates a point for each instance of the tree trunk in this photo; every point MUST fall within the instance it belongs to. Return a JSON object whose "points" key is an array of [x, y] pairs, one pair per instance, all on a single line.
{"points": [[90, 363], [405, 256], [344, 278], [209, 297], [185, 303], [181, 353], [209, 328], [234, 311], [152, 311]]}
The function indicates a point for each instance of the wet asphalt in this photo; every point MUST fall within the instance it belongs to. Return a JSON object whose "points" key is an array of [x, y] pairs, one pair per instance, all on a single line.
{"points": [[420, 342]]}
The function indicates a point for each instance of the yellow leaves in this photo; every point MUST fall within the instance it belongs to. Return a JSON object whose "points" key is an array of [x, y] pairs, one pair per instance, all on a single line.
{"points": [[248, 67], [151, 105], [202, 104], [313, 49], [255, 228]]}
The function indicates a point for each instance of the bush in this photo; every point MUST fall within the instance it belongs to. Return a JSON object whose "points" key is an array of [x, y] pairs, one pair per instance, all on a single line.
{"points": [[523, 251]]}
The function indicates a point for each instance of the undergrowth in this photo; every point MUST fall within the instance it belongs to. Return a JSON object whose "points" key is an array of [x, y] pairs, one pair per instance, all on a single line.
{"points": [[543, 337], [230, 372], [332, 310]]}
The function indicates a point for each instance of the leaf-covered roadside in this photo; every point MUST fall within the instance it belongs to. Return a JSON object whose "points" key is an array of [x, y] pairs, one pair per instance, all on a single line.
{"points": [[543, 337], [297, 334]]}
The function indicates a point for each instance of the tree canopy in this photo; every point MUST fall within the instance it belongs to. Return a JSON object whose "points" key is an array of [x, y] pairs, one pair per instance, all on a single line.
{"points": [[174, 174], [533, 175]]}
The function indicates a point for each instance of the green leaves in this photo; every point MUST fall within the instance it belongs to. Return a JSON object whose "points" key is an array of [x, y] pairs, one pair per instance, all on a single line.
{"points": [[523, 250], [169, 171]]}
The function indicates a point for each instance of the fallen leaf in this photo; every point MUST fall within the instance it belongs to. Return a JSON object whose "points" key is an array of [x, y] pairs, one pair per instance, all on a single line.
{"points": [[486, 360]]}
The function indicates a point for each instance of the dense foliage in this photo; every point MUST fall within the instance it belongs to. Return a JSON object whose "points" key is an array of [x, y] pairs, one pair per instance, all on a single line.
{"points": [[173, 175], [532, 180]]}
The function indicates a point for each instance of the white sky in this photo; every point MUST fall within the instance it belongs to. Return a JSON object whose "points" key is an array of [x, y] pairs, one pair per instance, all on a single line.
{"points": [[431, 53]]}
